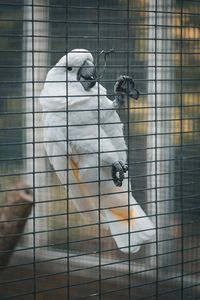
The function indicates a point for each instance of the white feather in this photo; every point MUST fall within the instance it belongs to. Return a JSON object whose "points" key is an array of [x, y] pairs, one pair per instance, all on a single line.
{"points": [[82, 131]]}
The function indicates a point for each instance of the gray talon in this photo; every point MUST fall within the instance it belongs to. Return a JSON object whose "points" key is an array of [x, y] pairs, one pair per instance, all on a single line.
{"points": [[121, 168], [124, 87]]}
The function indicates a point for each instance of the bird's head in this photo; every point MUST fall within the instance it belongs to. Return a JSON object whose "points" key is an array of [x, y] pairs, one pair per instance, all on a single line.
{"points": [[80, 67]]}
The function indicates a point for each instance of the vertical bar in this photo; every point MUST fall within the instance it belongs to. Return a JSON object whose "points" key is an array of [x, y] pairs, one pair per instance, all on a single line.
{"points": [[156, 155], [35, 57], [33, 158], [40, 40], [160, 140], [181, 154], [27, 92], [67, 183], [99, 149], [151, 131], [128, 146]]}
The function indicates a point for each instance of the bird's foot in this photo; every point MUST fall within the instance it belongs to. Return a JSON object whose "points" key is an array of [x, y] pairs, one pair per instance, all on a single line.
{"points": [[124, 87], [120, 168]]}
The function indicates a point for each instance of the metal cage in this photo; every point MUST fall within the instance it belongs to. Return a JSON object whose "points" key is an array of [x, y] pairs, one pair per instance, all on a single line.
{"points": [[47, 248]]}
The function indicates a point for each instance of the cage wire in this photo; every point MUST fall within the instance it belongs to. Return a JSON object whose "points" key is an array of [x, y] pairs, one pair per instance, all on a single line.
{"points": [[60, 254]]}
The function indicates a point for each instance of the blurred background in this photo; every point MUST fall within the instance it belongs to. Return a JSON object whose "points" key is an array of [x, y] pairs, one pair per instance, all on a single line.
{"points": [[157, 43]]}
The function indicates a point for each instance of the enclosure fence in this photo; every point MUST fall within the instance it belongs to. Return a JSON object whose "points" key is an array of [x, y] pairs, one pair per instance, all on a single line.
{"points": [[66, 230]]}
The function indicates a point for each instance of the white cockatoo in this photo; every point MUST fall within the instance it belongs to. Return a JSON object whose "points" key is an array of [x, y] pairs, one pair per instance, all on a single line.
{"points": [[83, 137]]}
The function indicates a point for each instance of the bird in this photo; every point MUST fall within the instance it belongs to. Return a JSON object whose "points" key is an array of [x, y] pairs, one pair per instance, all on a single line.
{"points": [[14, 213], [84, 141]]}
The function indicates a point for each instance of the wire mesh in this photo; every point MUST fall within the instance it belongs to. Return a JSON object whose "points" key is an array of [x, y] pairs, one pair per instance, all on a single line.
{"points": [[48, 248]]}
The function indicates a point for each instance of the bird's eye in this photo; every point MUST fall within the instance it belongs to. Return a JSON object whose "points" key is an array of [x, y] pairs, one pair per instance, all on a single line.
{"points": [[69, 68]]}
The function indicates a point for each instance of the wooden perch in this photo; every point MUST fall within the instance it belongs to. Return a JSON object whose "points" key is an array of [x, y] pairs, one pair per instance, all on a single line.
{"points": [[13, 216]]}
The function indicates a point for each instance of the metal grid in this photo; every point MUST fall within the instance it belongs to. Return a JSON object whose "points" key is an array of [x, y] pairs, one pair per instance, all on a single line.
{"points": [[60, 253]]}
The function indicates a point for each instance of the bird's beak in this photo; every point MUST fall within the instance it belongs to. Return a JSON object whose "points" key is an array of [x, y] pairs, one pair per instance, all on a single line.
{"points": [[87, 75]]}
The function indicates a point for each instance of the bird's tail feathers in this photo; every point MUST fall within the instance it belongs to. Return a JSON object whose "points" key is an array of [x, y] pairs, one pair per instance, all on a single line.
{"points": [[129, 228]]}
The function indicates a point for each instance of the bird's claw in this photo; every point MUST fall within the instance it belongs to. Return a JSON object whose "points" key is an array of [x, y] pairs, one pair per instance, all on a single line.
{"points": [[125, 86], [121, 168]]}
